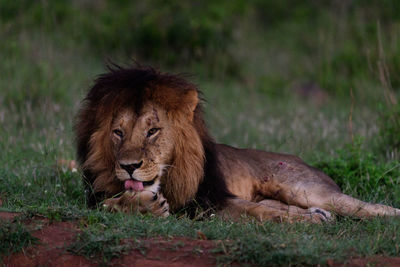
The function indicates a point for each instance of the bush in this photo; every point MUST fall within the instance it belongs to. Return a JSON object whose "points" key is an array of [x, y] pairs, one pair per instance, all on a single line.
{"points": [[338, 39], [155, 30]]}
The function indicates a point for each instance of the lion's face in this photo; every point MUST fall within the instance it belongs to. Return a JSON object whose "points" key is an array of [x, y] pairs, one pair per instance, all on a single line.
{"points": [[138, 129], [142, 144]]}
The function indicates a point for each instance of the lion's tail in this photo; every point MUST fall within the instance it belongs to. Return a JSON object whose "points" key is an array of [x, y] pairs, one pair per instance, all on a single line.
{"points": [[348, 206]]}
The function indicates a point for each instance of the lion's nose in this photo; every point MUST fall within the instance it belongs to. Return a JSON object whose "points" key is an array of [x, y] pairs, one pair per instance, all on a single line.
{"points": [[130, 168]]}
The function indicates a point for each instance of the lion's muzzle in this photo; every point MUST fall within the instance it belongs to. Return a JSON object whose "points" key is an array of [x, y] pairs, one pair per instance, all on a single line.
{"points": [[130, 168]]}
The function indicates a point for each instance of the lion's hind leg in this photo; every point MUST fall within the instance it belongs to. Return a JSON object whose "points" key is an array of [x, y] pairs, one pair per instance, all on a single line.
{"points": [[274, 210], [349, 206], [338, 203]]}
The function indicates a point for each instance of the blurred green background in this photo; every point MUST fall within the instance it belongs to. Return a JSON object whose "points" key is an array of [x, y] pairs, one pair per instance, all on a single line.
{"points": [[319, 79]]}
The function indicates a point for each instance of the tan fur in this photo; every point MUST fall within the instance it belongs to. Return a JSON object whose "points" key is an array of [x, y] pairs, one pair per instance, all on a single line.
{"points": [[100, 159], [182, 181], [291, 182]]}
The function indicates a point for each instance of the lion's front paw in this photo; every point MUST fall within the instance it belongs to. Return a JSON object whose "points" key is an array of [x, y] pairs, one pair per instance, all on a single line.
{"points": [[112, 204], [319, 215], [142, 202], [158, 205]]}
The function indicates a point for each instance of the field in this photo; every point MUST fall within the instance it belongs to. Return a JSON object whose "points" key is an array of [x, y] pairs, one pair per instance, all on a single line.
{"points": [[317, 79]]}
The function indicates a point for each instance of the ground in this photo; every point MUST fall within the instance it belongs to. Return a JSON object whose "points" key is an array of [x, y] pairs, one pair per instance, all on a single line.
{"points": [[55, 239]]}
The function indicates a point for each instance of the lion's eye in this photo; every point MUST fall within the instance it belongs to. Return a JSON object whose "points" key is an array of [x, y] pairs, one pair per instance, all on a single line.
{"points": [[119, 133], [152, 131]]}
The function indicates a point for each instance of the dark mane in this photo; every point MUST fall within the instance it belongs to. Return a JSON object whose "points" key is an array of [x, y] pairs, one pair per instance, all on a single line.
{"points": [[213, 193], [123, 87]]}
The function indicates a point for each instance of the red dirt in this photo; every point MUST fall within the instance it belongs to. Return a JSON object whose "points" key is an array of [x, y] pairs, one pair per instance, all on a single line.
{"points": [[51, 250], [54, 238], [171, 252], [8, 215]]}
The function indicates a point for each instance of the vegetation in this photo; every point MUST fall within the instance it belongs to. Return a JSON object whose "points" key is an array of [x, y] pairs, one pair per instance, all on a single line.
{"points": [[14, 237], [319, 79], [358, 174]]}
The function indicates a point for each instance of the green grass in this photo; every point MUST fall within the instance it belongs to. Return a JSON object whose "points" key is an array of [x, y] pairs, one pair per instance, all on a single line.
{"points": [[14, 237], [255, 82], [359, 175]]}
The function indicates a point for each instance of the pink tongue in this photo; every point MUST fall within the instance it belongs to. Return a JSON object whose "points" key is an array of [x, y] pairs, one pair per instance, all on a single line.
{"points": [[134, 185]]}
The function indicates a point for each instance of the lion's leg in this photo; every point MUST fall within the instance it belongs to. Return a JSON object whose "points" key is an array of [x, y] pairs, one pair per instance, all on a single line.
{"points": [[274, 210], [322, 197], [348, 206]]}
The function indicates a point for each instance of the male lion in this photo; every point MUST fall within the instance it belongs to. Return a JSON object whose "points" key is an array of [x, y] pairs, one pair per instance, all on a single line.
{"points": [[143, 146]]}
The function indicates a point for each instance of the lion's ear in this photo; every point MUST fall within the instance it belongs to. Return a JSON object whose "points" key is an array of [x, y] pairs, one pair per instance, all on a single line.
{"points": [[191, 100]]}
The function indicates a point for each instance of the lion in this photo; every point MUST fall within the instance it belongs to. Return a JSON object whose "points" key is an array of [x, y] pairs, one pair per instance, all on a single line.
{"points": [[144, 147]]}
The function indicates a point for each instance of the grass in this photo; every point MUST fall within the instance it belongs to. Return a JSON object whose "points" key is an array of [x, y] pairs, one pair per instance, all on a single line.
{"points": [[290, 93], [14, 237], [357, 173]]}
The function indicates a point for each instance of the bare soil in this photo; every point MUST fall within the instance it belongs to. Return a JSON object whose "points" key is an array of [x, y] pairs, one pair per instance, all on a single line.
{"points": [[55, 237]]}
